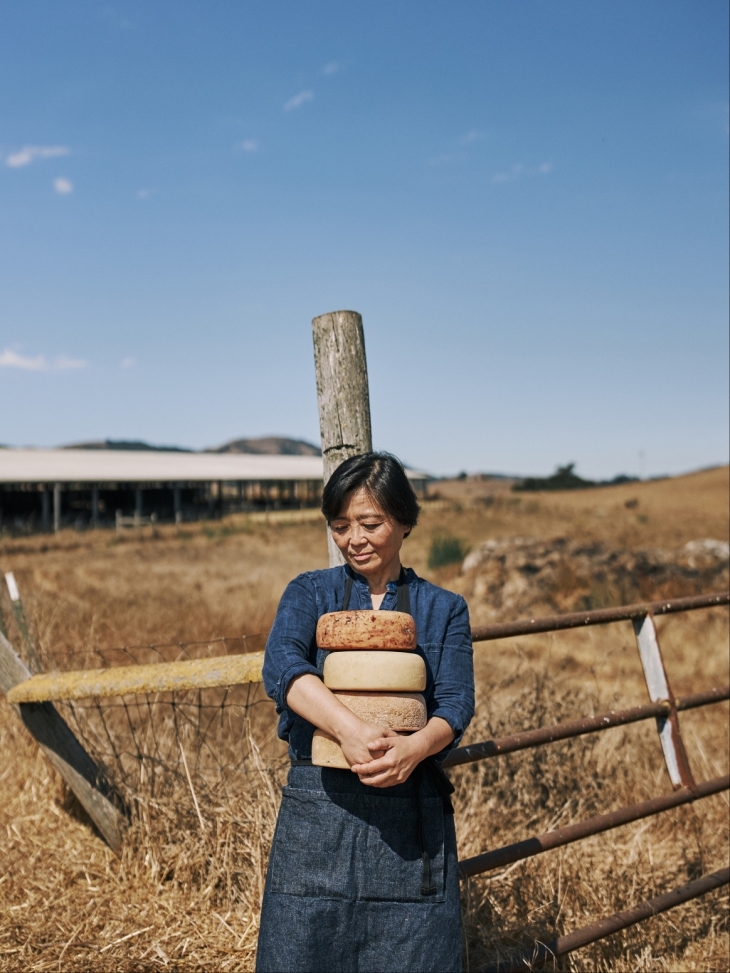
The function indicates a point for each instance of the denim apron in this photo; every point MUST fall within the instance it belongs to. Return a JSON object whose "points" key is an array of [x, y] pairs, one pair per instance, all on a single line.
{"points": [[360, 878]]}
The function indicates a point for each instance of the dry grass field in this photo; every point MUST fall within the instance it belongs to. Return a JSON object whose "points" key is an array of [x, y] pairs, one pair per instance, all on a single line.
{"points": [[186, 890]]}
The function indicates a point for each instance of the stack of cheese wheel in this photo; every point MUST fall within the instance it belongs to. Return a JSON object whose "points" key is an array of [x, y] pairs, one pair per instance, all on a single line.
{"points": [[373, 670]]}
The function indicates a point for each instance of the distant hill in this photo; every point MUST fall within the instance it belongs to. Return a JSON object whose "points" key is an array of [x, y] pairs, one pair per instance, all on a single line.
{"points": [[264, 446], [128, 444], [269, 446]]}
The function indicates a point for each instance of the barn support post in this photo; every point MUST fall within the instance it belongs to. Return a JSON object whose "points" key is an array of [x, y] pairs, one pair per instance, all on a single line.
{"points": [[342, 394], [45, 507], [177, 503], [137, 502], [95, 505], [56, 507], [63, 750]]}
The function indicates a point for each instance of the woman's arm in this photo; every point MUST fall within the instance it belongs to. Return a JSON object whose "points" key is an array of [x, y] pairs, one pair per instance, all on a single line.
{"points": [[402, 754], [309, 697]]}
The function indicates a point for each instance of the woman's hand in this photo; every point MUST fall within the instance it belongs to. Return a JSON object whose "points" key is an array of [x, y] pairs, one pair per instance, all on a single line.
{"points": [[393, 759], [402, 754], [310, 698], [363, 744]]}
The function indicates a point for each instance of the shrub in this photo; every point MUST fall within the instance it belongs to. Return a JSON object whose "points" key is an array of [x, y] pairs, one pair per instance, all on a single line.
{"points": [[446, 550]]}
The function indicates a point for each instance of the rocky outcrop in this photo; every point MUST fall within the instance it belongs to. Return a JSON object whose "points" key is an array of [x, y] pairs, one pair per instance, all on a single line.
{"points": [[510, 578]]}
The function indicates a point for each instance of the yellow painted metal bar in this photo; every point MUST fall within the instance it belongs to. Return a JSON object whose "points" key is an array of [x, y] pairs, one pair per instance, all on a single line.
{"points": [[160, 677]]}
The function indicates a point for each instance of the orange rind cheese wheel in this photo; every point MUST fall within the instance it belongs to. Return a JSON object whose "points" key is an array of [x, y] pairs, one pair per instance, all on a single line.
{"points": [[326, 752], [372, 670], [393, 631], [404, 712]]}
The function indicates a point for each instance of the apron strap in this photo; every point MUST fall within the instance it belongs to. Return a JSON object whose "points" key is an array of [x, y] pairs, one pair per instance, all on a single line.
{"points": [[403, 596], [348, 592], [445, 789]]}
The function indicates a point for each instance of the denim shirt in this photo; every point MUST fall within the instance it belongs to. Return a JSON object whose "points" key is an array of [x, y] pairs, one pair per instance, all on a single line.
{"points": [[444, 642]]}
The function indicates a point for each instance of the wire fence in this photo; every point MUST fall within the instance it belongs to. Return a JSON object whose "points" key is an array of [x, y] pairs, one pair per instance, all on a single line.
{"points": [[154, 743]]}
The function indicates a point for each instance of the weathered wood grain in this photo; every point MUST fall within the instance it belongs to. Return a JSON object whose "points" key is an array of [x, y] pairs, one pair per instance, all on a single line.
{"points": [[159, 677], [342, 394]]}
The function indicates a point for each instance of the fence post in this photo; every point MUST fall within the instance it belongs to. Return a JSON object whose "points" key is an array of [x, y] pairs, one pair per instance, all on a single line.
{"points": [[32, 653], [63, 750], [342, 394], [657, 683]]}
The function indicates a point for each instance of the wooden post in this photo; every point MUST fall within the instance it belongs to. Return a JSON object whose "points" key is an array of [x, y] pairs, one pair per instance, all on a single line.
{"points": [[63, 750], [342, 394], [19, 612]]}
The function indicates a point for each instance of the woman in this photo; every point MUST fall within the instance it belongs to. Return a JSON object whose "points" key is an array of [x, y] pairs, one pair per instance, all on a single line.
{"points": [[363, 872]]}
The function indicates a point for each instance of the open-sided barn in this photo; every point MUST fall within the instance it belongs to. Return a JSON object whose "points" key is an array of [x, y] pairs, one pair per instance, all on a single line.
{"points": [[44, 489]]}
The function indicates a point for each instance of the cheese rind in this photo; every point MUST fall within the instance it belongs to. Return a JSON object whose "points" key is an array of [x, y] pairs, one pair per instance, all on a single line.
{"points": [[326, 752], [396, 711], [375, 671], [394, 631]]}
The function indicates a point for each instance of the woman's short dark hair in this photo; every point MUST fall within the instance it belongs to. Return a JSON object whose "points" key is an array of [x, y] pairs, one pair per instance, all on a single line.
{"points": [[383, 477]]}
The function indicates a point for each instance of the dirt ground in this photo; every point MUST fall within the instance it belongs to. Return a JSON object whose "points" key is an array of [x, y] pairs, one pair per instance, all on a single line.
{"points": [[185, 892]]}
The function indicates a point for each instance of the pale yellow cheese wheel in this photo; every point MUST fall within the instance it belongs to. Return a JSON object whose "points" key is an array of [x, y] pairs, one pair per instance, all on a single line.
{"points": [[327, 752], [376, 671], [395, 631], [396, 711]]}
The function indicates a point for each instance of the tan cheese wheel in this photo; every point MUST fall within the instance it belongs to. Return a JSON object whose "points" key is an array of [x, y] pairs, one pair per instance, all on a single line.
{"points": [[326, 752], [376, 671], [366, 630], [396, 711]]}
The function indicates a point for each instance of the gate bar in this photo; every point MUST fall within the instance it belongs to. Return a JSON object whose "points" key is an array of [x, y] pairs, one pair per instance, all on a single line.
{"points": [[600, 616], [543, 952], [575, 728], [583, 829]]}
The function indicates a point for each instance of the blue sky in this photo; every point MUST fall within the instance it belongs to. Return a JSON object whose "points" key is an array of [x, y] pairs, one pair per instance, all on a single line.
{"points": [[526, 201]]}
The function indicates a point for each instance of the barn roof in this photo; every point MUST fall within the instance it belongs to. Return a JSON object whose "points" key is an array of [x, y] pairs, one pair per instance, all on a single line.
{"points": [[131, 466]]}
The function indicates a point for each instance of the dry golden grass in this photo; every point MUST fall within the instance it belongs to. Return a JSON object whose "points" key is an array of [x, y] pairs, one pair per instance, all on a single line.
{"points": [[185, 894]]}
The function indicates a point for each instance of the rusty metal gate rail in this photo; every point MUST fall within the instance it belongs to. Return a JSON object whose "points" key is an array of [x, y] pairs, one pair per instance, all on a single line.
{"points": [[664, 708]]}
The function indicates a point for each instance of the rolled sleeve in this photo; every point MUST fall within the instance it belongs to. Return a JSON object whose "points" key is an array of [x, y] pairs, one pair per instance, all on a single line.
{"points": [[290, 647], [453, 692]]}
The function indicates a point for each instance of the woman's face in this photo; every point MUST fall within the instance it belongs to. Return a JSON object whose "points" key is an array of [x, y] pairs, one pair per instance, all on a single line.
{"points": [[370, 540]]}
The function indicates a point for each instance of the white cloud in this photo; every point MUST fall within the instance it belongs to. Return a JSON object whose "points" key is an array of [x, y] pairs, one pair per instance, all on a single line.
{"points": [[65, 364], [473, 136], [250, 145], [29, 153], [144, 193], [298, 100], [11, 359], [332, 68], [518, 170], [63, 186], [128, 362]]}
